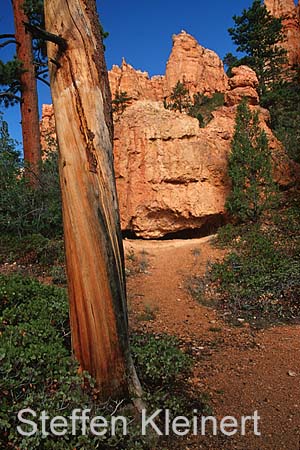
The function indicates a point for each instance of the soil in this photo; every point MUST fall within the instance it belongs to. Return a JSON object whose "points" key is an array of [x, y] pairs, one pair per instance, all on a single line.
{"points": [[241, 369]]}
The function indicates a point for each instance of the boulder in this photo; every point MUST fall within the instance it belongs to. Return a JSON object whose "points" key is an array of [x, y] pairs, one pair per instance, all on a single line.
{"points": [[243, 83]]}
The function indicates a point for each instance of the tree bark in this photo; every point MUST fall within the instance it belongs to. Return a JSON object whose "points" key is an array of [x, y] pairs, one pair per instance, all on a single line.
{"points": [[94, 250], [29, 97]]}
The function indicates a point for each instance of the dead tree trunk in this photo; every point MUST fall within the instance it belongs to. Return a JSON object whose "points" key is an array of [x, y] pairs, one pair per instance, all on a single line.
{"points": [[94, 251], [29, 97]]}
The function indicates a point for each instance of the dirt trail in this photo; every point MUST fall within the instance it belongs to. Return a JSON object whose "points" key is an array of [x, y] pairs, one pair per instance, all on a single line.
{"points": [[242, 370]]}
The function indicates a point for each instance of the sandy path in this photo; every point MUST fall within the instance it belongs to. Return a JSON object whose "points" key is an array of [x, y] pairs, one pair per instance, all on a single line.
{"points": [[243, 370]]}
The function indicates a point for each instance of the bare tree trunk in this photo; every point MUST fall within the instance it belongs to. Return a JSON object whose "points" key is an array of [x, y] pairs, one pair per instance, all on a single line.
{"points": [[94, 251], [29, 97]]}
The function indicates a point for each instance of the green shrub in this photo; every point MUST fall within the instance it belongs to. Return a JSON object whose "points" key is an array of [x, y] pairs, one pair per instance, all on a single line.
{"points": [[249, 168], [163, 368], [203, 106], [31, 248], [283, 102], [200, 107], [227, 234], [260, 276], [23, 209], [158, 359], [58, 275], [179, 98], [37, 371]]}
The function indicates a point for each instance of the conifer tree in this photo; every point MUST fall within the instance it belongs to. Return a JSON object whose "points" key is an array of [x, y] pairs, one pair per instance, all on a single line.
{"points": [[258, 35], [28, 89], [120, 102], [180, 99], [18, 81], [249, 167]]}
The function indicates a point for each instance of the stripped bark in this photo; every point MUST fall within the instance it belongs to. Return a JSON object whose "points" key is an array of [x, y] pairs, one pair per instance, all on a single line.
{"points": [[29, 97], [94, 250]]}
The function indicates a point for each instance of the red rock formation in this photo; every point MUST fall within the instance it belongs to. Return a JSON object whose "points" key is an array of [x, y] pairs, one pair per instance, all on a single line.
{"points": [[201, 69], [136, 83], [47, 129], [291, 22], [171, 174], [242, 84]]}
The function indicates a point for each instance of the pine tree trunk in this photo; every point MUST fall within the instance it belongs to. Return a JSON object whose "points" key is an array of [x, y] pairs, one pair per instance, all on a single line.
{"points": [[29, 97], [94, 251]]}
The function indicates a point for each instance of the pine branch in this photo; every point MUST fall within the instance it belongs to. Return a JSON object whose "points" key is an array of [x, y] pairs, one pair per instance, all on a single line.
{"points": [[10, 41], [43, 81], [7, 36], [42, 72], [10, 96], [39, 33]]}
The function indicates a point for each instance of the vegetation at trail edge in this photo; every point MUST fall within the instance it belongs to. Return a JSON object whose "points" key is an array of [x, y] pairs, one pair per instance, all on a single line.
{"points": [[249, 168], [26, 210], [39, 372]]}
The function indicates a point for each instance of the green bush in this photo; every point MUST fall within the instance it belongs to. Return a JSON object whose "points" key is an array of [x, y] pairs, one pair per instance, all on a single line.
{"points": [[203, 106], [179, 98], [23, 209], [227, 234], [249, 168], [163, 368], [31, 248], [58, 275], [37, 370], [260, 276], [158, 359], [283, 102]]}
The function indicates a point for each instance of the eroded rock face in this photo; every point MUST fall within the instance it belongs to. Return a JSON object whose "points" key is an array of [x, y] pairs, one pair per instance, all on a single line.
{"points": [[242, 84], [47, 129], [291, 22], [201, 69], [171, 174], [136, 83]]}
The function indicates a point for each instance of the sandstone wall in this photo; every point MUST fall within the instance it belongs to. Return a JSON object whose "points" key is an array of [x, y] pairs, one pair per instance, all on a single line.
{"points": [[171, 174], [291, 21]]}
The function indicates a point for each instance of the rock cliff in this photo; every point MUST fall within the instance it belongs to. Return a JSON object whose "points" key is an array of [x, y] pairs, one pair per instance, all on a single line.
{"points": [[291, 22], [171, 174], [201, 69]]}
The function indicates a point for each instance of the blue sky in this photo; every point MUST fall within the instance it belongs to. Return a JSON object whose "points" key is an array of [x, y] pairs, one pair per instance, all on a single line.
{"points": [[142, 33]]}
